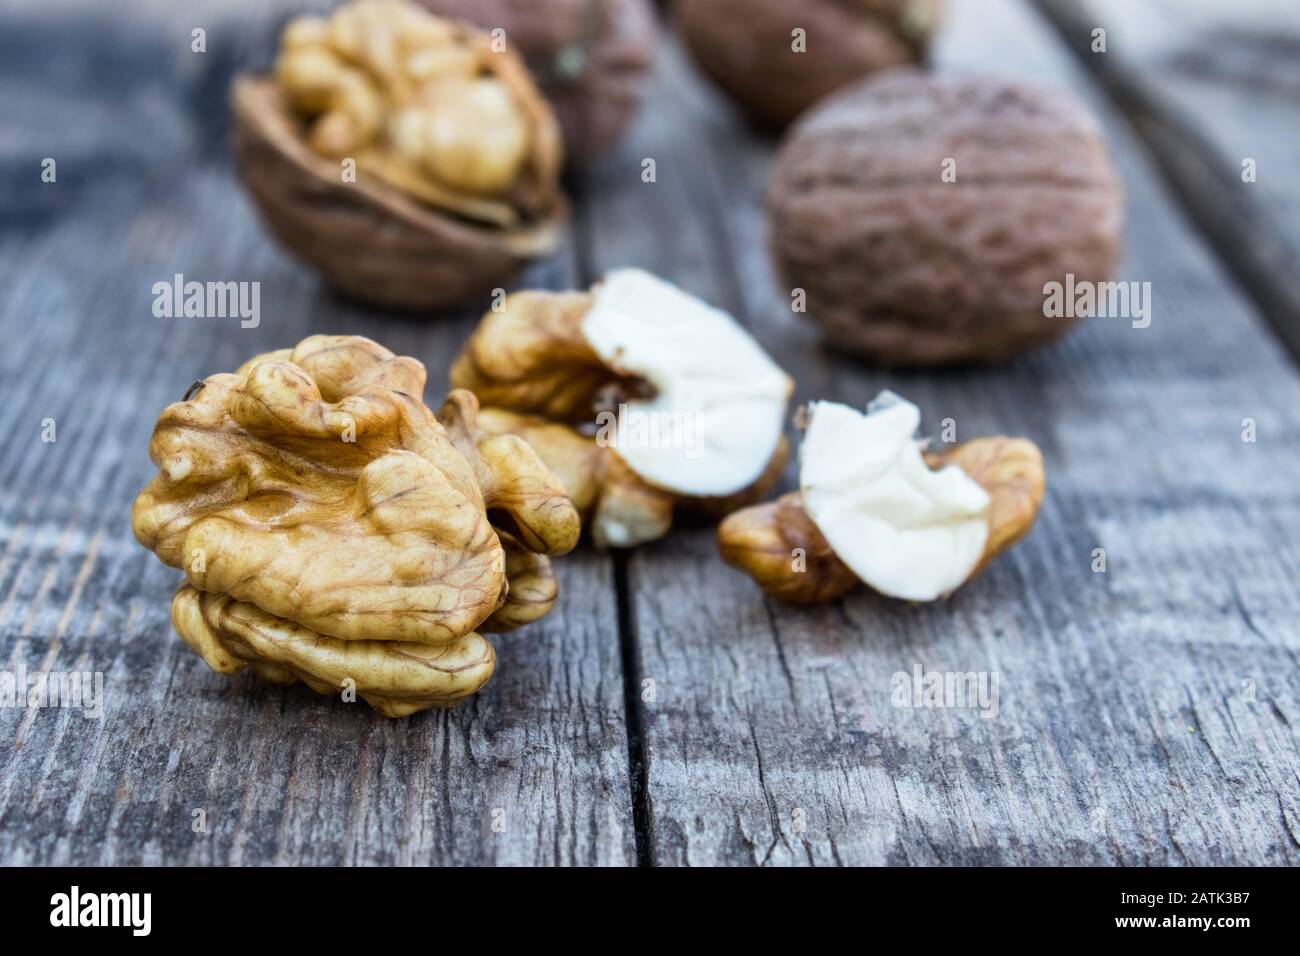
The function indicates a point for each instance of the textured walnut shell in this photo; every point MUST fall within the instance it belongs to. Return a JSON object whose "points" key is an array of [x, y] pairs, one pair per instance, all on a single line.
{"points": [[330, 526], [591, 59], [778, 545], [745, 46], [369, 240], [901, 267]]}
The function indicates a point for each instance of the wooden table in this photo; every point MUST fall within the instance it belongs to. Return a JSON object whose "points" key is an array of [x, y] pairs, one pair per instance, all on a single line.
{"points": [[666, 713]]}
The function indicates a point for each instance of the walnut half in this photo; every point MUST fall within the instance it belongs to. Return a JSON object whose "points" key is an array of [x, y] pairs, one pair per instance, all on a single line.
{"points": [[332, 528], [409, 158]]}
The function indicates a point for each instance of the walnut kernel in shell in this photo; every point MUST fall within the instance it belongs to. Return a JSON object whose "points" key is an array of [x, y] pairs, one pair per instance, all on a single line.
{"points": [[591, 58], [401, 155]]}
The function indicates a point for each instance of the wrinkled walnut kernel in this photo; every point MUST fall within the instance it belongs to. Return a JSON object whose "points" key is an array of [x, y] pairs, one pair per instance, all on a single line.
{"points": [[424, 104], [327, 522], [537, 377]]}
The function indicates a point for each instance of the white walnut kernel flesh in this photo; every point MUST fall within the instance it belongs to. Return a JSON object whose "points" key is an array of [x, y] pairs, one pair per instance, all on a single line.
{"points": [[875, 507], [709, 380], [697, 407], [906, 530]]}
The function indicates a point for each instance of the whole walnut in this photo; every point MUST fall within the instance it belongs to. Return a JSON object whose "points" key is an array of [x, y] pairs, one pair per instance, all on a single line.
{"points": [[751, 48], [591, 59], [925, 216], [333, 530]]}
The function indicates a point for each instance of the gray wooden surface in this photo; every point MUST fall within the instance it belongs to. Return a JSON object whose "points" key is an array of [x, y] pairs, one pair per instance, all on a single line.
{"points": [[1210, 87], [665, 713]]}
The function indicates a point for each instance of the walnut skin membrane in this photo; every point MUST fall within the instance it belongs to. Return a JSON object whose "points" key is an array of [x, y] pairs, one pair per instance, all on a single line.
{"points": [[333, 530]]}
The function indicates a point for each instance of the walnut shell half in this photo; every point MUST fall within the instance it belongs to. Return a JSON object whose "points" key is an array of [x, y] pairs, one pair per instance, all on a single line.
{"points": [[781, 548], [331, 527], [400, 155]]}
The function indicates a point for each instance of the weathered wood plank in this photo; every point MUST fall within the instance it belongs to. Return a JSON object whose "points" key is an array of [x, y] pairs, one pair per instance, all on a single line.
{"points": [[1125, 731], [136, 123], [1212, 86]]}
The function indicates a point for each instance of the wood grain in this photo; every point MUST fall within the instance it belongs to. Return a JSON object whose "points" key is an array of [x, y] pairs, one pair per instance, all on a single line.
{"points": [[532, 771], [1123, 733], [665, 713], [1210, 86]]}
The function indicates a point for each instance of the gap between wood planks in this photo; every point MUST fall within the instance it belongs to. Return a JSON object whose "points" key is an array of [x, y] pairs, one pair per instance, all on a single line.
{"points": [[1198, 176], [630, 660]]}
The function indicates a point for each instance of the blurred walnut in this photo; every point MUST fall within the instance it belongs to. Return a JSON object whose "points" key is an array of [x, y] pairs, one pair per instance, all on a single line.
{"points": [[753, 48], [331, 527], [577, 374], [401, 154], [924, 216], [592, 59], [903, 534]]}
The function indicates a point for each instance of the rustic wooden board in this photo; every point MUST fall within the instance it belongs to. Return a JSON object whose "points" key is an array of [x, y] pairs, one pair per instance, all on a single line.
{"points": [[1124, 734], [756, 733], [1209, 85], [532, 771]]}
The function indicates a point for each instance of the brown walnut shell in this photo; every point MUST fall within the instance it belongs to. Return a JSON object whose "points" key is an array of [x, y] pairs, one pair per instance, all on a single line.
{"points": [[902, 267], [591, 59], [747, 47], [369, 240]]}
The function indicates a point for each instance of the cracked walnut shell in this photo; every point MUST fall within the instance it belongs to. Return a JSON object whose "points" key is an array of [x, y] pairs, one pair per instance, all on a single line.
{"points": [[331, 527], [402, 155]]}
